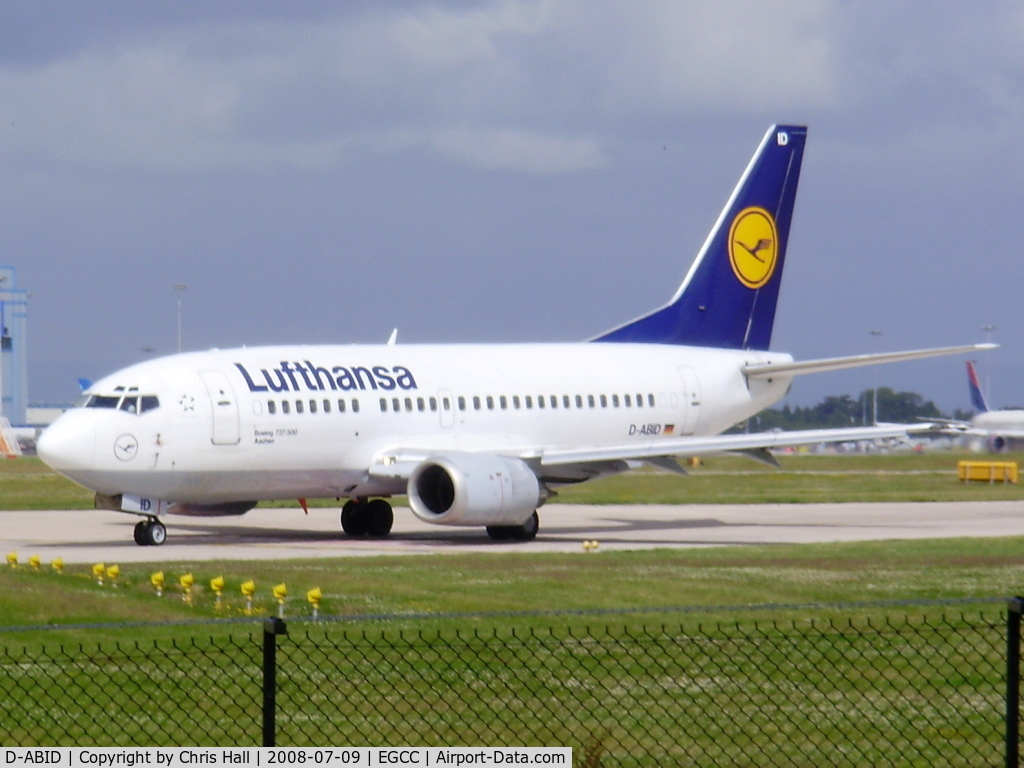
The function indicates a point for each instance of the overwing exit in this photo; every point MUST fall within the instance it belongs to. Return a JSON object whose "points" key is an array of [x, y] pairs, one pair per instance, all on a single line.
{"points": [[473, 434]]}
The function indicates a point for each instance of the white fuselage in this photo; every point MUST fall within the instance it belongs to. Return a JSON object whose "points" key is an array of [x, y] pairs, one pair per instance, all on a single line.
{"points": [[314, 421]]}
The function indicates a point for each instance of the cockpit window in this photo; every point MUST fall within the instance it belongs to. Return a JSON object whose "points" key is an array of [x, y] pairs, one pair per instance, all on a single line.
{"points": [[129, 404], [103, 401]]}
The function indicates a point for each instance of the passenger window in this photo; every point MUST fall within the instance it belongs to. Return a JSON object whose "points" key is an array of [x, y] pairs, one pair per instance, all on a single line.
{"points": [[490, 403], [149, 403], [421, 404], [629, 404], [299, 407], [579, 401], [515, 402], [312, 406], [383, 405], [327, 406], [604, 401], [396, 404], [476, 402], [341, 406], [433, 404], [540, 401], [503, 402], [565, 401], [286, 407], [615, 401], [650, 400], [554, 401], [408, 403], [271, 407], [355, 405], [590, 401], [639, 401], [529, 402], [462, 403]]}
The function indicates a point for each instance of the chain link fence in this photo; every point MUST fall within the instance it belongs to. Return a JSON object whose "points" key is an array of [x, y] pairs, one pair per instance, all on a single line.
{"points": [[871, 690]]}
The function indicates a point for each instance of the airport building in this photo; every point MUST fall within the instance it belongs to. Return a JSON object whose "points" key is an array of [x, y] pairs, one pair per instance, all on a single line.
{"points": [[13, 348]]}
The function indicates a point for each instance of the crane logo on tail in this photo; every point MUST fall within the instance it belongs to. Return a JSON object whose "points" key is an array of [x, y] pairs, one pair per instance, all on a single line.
{"points": [[753, 246]]}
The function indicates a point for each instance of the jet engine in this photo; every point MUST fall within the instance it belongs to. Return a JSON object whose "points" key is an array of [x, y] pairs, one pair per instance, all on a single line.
{"points": [[473, 489], [996, 444]]}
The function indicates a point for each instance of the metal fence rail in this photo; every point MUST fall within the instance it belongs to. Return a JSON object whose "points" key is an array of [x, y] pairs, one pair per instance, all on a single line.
{"points": [[925, 690]]}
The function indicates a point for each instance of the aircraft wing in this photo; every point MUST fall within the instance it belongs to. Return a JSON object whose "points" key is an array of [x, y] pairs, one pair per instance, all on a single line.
{"points": [[769, 370], [401, 463], [954, 429], [959, 427], [692, 446]]}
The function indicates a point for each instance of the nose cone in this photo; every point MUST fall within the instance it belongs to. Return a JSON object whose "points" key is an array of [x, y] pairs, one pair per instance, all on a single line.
{"points": [[69, 444]]}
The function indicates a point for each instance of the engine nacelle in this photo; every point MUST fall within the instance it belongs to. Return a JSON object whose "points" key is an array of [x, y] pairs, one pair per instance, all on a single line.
{"points": [[473, 489], [996, 444]]}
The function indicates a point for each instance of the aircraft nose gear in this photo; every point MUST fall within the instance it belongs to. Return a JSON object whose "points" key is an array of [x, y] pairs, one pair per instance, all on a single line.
{"points": [[150, 532]]}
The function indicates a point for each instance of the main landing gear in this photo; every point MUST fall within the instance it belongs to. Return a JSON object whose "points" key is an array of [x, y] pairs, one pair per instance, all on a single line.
{"points": [[525, 532], [360, 517], [150, 532]]}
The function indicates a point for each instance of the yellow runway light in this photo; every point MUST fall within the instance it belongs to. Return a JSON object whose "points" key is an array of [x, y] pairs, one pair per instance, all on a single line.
{"points": [[314, 596], [58, 565], [98, 570], [157, 580], [248, 589], [34, 561], [217, 585], [186, 583], [280, 592]]}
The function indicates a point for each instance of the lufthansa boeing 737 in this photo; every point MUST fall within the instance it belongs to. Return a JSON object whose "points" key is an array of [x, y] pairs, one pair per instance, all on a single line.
{"points": [[473, 434]]}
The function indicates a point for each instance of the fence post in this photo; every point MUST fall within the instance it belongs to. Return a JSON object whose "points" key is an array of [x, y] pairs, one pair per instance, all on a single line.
{"points": [[1015, 608], [271, 629]]}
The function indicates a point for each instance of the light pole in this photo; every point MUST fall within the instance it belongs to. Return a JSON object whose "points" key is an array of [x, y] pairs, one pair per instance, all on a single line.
{"points": [[179, 288], [988, 329], [874, 389]]}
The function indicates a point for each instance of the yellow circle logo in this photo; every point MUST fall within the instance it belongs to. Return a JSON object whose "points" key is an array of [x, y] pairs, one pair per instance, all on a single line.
{"points": [[753, 246]]}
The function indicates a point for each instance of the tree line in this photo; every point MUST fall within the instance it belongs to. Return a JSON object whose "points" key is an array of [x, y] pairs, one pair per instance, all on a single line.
{"points": [[846, 410]]}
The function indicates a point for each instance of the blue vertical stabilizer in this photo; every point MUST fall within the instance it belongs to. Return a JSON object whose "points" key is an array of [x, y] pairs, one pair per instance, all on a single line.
{"points": [[729, 295]]}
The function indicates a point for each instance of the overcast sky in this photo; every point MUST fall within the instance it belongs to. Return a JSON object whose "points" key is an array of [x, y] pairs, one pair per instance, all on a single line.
{"points": [[505, 171]]}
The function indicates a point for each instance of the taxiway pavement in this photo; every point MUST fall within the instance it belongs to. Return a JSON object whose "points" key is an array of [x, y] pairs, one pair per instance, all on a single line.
{"points": [[92, 536]]}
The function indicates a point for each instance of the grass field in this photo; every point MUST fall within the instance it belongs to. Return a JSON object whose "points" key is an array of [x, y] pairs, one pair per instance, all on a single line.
{"points": [[494, 583], [528, 582], [393, 603]]}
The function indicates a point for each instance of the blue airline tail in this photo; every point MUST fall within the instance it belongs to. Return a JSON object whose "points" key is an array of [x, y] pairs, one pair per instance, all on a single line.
{"points": [[977, 399], [729, 295]]}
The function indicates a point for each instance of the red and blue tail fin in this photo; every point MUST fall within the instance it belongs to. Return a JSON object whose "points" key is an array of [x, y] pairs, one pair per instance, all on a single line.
{"points": [[977, 398], [729, 295]]}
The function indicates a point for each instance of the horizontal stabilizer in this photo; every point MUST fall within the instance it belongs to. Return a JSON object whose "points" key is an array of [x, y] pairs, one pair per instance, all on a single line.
{"points": [[771, 370]]}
